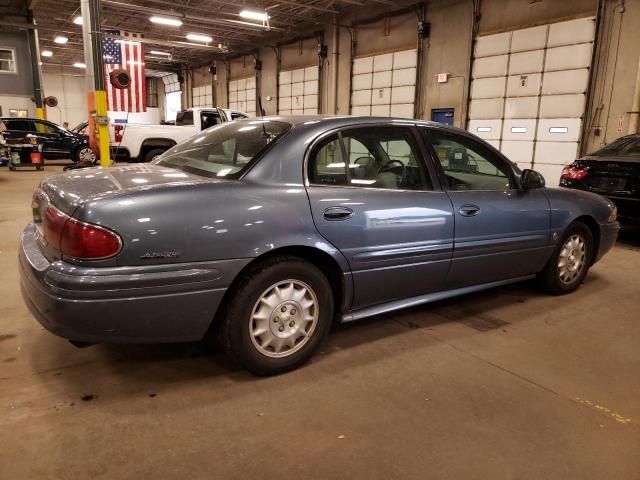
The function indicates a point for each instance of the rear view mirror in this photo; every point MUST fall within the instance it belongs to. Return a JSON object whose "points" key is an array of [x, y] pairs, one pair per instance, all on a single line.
{"points": [[531, 179]]}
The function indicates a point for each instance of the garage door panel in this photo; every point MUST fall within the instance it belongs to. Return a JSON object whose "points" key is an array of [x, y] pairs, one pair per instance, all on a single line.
{"points": [[381, 110], [527, 85], [364, 110], [383, 62], [362, 81], [562, 106], [297, 102], [233, 97], [529, 39], [284, 90], [520, 152], [299, 111], [297, 76], [310, 111], [311, 87], [519, 129], [490, 66], [363, 65], [403, 77], [405, 59], [551, 173], [284, 111], [242, 84], [526, 62], [361, 98], [485, 108], [381, 96], [402, 110], [297, 89], [569, 57], [233, 86], [251, 94], [251, 83], [251, 106], [403, 94], [488, 129], [581, 30], [559, 129], [284, 104], [490, 45], [242, 95], [311, 101], [494, 143], [566, 81], [521, 107], [311, 73], [381, 79], [284, 77], [488, 87], [555, 153]]}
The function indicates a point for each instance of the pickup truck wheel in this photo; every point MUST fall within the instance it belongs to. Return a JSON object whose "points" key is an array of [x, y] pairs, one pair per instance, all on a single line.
{"points": [[152, 154], [278, 316], [570, 261]]}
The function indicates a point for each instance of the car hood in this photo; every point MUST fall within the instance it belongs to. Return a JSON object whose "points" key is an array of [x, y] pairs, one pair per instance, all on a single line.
{"points": [[70, 189]]}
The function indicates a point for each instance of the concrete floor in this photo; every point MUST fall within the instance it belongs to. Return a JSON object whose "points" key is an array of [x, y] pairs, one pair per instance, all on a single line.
{"points": [[509, 383]]}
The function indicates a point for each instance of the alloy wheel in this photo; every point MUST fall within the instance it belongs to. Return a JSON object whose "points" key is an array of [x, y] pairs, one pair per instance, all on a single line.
{"points": [[571, 260]]}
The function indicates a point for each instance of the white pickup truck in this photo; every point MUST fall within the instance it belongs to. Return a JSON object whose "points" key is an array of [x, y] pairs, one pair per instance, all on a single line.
{"points": [[141, 143]]}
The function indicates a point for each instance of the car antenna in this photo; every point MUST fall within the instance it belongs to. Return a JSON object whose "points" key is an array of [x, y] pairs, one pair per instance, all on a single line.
{"points": [[264, 130]]}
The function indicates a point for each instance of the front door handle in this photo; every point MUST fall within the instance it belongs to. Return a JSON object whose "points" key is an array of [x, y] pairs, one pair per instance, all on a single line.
{"points": [[469, 210], [337, 213]]}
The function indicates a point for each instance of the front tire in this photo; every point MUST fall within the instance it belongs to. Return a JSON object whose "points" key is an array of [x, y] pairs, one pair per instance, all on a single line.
{"points": [[85, 155], [278, 317], [570, 261]]}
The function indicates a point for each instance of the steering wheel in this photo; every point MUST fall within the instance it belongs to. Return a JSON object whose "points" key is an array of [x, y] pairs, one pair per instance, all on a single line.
{"points": [[389, 165]]}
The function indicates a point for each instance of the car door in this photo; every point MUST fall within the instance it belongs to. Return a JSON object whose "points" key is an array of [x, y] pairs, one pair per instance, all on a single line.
{"points": [[53, 138], [18, 127], [373, 197], [501, 231]]}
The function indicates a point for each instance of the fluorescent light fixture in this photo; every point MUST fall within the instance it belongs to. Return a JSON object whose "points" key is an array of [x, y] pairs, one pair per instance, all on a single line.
{"points": [[78, 20], [126, 42], [518, 129], [158, 52], [60, 39], [79, 65], [559, 130], [254, 15], [198, 37], [172, 22], [484, 129], [46, 53]]}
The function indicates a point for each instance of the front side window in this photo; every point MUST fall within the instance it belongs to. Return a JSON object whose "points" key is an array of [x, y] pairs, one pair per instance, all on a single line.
{"points": [[226, 150], [376, 157], [42, 127], [469, 165], [8, 60]]}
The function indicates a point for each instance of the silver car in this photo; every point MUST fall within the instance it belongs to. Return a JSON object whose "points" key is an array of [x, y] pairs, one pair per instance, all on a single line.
{"points": [[261, 233]]}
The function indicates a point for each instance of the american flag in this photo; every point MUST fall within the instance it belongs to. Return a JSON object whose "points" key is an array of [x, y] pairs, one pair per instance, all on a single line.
{"points": [[128, 54]]}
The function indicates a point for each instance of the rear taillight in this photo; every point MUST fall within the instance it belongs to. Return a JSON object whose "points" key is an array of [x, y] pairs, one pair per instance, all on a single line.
{"points": [[571, 172], [79, 239], [117, 133]]}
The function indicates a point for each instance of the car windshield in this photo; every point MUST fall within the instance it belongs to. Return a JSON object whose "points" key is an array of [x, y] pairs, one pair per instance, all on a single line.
{"points": [[623, 147], [226, 150]]}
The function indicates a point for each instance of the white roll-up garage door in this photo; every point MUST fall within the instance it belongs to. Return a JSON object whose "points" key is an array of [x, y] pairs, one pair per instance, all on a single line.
{"points": [[384, 85], [202, 96], [242, 95], [298, 91], [528, 93]]}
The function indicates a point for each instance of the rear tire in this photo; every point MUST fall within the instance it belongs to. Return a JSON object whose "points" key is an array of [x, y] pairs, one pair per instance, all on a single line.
{"points": [[570, 261], [151, 154], [278, 316]]}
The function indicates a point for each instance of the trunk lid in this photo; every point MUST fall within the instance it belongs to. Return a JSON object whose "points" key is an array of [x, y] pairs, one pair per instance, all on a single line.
{"points": [[612, 176]]}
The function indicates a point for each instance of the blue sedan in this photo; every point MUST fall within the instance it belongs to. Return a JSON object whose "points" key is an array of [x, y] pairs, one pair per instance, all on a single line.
{"points": [[260, 233]]}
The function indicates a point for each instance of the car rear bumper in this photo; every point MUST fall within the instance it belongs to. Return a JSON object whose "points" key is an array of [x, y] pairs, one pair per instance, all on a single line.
{"points": [[149, 304], [608, 236]]}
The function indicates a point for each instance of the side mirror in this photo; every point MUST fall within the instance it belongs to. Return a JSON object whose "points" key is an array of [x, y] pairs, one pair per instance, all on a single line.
{"points": [[531, 179]]}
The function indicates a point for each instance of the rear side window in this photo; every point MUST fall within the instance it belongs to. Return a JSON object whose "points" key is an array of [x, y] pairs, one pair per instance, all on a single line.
{"points": [[21, 125], [623, 147], [375, 157], [237, 116], [184, 118]]}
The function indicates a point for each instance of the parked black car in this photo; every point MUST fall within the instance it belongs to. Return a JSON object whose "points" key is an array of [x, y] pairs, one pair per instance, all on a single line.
{"points": [[612, 171], [58, 143]]}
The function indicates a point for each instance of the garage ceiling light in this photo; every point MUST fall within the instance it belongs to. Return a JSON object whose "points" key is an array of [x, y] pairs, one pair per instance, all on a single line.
{"points": [[79, 65], [172, 22], [158, 52], [60, 39], [46, 53], [78, 20], [198, 37], [254, 15]]}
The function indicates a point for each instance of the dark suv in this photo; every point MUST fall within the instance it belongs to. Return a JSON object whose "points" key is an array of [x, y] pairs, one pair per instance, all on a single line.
{"points": [[57, 142]]}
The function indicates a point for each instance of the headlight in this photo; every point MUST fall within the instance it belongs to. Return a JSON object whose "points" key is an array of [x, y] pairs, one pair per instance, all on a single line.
{"points": [[613, 216]]}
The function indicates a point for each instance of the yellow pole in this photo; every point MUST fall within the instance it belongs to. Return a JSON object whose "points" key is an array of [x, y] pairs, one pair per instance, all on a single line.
{"points": [[40, 113], [103, 127]]}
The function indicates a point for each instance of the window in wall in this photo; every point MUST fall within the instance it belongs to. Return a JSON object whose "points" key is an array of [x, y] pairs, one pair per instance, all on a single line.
{"points": [[152, 91], [468, 165], [8, 60]]}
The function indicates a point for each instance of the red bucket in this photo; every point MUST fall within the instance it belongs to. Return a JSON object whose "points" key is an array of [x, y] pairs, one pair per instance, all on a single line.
{"points": [[36, 158]]}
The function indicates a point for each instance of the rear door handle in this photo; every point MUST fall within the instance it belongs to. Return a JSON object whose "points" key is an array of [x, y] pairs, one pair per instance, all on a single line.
{"points": [[469, 210], [337, 213]]}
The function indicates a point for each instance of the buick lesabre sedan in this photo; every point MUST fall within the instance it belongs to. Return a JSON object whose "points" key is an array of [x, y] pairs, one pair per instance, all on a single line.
{"points": [[260, 233]]}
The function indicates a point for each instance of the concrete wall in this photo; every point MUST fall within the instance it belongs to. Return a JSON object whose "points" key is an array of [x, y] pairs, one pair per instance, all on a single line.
{"points": [[16, 90]]}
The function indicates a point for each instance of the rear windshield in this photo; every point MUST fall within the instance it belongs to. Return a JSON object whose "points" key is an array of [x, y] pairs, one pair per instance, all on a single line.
{"points": [[226, 150], [623, 147]]}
